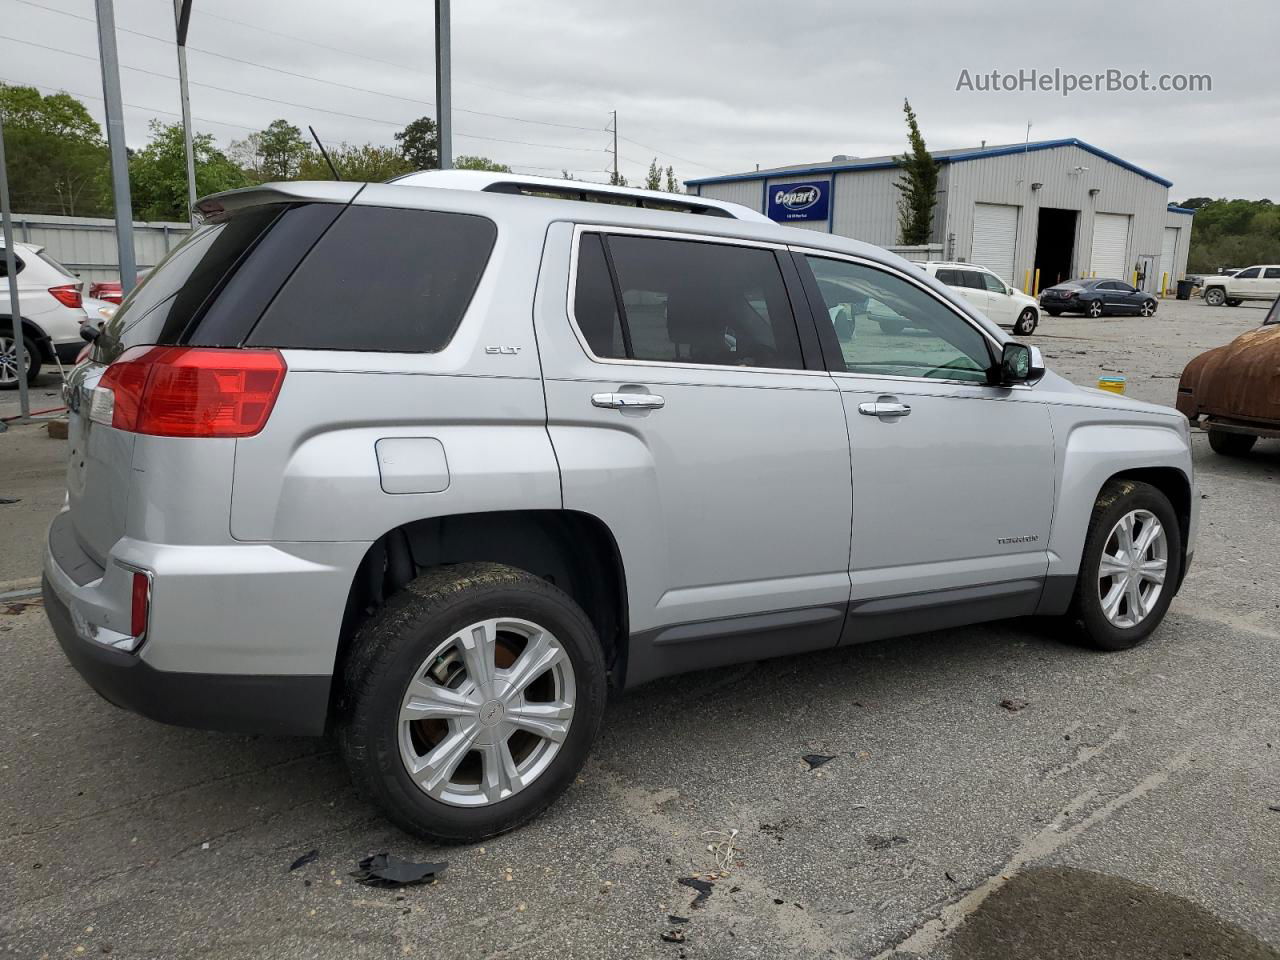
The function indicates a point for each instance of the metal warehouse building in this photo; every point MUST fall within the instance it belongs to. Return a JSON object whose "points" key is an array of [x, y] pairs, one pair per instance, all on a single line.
{"points": [[1062, 207]]}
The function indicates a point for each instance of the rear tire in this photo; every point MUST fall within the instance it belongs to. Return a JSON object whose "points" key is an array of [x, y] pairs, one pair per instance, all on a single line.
{"points": [[416, 683], [1054, 313], [1095, 624], [1234, 303], [9, 361], [1027, 322], [1231, 444], [892, 327]]}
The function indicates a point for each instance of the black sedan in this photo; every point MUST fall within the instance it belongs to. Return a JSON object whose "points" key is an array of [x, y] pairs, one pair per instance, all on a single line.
{"points": [[1096, 297]]}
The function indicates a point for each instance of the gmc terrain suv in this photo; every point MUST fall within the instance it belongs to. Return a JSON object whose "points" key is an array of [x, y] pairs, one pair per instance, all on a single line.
{"points": [[430, 465]]}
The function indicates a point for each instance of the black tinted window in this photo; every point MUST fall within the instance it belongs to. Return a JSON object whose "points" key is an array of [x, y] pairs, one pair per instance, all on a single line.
{"points": [[163, 306], [971, 279], [948, 277], [382, 279], [4, 266], [595, 305], [685, 301]]}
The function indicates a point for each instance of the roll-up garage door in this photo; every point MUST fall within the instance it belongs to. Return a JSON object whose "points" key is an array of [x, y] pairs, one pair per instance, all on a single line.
{"points": [[1168, 249], [1110, 238], [995, 234]]}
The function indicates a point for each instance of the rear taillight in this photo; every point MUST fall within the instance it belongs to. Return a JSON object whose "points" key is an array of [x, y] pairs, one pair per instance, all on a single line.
{"points": [[189, 391], [67, 294], [140, 604]]}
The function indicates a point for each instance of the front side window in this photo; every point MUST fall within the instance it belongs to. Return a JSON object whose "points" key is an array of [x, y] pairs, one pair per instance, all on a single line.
{"points": [[1250, 274], [684, 301], [994, 284], [896, 328]]}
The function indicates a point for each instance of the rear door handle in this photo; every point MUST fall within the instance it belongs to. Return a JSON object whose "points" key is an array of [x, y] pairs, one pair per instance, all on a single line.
{"points": [[628, 401], [884, 408]]}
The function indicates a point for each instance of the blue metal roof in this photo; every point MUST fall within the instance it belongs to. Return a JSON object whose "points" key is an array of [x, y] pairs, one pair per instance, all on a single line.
{"points": [[1177, 209], [948, 156]]}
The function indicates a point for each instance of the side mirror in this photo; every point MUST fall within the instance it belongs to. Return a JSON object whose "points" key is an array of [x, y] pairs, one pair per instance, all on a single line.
{"points": [[1019, 363]]}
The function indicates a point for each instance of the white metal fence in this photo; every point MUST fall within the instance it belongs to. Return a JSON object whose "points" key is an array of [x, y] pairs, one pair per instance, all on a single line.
{"points": [[918, 253], [87, 245]]}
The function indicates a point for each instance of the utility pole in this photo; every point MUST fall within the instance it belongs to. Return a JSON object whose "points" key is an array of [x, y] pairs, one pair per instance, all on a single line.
{"points": [[616, 179], [15, 313], [115, 143], [444, 98], [181, 17]]}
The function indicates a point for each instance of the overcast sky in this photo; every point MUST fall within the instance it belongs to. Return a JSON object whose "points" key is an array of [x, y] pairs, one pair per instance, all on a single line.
{"points": [[709, 87]]}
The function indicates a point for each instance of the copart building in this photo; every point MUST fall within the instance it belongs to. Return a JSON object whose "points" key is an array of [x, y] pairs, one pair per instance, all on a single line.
{"points": [[1062, 208]]}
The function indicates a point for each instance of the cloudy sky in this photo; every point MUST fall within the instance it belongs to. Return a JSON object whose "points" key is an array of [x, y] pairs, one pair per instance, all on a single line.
{"points": [[709, 86]]}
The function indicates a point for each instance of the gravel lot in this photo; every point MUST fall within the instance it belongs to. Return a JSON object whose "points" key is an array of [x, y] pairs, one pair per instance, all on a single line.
{"points": [[1130, 809]]}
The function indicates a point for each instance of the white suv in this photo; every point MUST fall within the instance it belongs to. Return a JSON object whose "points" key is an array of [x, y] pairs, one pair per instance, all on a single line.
{"points": [[49, 296], [1001, 303]]}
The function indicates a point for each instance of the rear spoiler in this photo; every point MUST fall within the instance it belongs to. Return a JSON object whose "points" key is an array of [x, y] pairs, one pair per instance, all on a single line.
{"points": [[323, 191]]}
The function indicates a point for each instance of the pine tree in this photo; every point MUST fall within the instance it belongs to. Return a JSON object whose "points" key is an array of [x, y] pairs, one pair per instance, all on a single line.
{"points": [[673, 185], [917, 187], [653, 180]]}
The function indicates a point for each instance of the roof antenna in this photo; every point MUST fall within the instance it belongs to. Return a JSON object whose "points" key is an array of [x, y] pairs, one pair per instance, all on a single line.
{"points": [[324, 153]]}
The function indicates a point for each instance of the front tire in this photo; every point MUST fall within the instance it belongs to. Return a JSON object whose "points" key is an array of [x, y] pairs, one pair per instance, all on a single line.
{"points": [[1095, 308], [1215, 296], [1027, 322], [1054, 313], [470, 701], [1148, 308], [1231, 444], [1130, 567], [892, 327]]}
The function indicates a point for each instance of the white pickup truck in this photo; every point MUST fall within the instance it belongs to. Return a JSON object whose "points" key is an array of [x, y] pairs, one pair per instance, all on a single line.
{"points": [[1253, 283]]}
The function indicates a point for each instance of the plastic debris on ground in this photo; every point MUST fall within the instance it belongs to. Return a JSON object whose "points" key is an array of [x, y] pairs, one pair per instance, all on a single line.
{"points": [[386, 870], [1013, 704], [673, 936], [815, 760], [311, 856]]}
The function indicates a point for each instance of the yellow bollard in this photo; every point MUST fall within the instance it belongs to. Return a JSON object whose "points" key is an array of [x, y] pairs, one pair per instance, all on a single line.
{"points": [[1026, 282], [1164, 284], [1036, 291], [1094, 275], [1135, 280]]}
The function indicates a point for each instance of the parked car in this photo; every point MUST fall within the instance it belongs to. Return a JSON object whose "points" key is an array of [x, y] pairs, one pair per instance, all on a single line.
{"points": [[1232, 390], [1252, 283], [1006, 305], [1096, 297], [430, 465], [52, 311], [109, 290]]}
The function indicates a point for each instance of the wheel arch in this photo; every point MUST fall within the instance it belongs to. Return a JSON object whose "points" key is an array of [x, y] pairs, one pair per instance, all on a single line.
{"points": [[572, 549], [34, 332], [1175, 485]]}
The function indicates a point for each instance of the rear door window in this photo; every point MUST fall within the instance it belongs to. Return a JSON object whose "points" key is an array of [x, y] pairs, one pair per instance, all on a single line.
{"points": [[381, 279], [685, 301], [18, 265]]}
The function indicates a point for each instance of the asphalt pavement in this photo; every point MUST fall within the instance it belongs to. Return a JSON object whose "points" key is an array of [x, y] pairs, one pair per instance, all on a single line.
{"points": [[1120, 805]]}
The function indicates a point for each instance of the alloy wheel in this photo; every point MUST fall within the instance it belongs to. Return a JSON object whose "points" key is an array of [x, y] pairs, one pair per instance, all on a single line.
{"points": [[1131, 573], [485, 714], [1095, 309], [1148, 308], [9, 361]]}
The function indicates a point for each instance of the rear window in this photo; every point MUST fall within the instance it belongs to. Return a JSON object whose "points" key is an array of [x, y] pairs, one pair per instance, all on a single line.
{"points": [[382, 279]]}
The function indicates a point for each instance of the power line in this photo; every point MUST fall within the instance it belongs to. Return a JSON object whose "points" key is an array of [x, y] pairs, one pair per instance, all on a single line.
{"points": [[306, 76], [299, 106], [673, 156]]}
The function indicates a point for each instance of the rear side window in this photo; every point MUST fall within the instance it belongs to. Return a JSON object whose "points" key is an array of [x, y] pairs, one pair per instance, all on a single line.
{"points": [[4, 264], [685, 301], [949, 277], [381, 279]]}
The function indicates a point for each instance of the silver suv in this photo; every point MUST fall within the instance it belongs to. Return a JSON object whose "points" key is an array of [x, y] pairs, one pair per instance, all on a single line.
{"points": [[431, 465]]}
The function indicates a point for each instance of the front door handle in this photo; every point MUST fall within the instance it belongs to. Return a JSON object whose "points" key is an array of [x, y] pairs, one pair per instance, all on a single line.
{"points": [[628, 401], [884, 408]]}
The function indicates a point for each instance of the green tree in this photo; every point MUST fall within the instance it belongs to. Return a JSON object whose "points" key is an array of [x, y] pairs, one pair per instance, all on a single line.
{"points": [[276, 153], [479, 163], [420, 144], [617, 179], [158, 172], [918, 185], [653, 179], [566, 175], [366, 162], [1235, 233], [57, 160], [673, 185]]}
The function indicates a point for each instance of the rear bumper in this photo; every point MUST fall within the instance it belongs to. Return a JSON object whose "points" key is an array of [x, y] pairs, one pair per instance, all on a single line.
{"points": [[68, 351], [210, 701]]}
